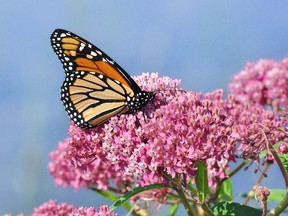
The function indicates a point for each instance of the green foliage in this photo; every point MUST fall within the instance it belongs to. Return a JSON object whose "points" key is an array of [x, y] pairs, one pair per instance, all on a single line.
{"points": [[276, 195], [173, 210], [226, 191], [110, 196], [132, 193], [284, 159], [235, 209], [201, 181]]}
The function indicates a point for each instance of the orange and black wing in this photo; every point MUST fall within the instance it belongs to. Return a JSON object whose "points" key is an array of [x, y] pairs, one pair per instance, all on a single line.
{"points": [[77, 54], [90, 98], [96, 87]]}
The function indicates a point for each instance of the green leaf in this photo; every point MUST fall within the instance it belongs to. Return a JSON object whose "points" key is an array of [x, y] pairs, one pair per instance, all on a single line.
{"points": [[235, 209], [226, 191], [276, 195], [284, 159], [173, 210], [112, 197], [201, 180], [133, 192]]}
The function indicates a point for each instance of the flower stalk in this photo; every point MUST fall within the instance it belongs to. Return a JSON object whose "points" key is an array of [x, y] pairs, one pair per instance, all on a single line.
{"points": [[284, 203]]}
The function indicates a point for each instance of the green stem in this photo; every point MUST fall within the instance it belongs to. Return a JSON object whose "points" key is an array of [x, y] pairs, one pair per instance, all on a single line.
{"points": [[176, 185], [184, 201], [284, 203], [207, 209], [281, 166], [280, 207]]}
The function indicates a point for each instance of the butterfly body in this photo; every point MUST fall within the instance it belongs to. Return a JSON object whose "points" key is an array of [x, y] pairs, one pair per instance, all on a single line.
{"points": [[96, 88]]}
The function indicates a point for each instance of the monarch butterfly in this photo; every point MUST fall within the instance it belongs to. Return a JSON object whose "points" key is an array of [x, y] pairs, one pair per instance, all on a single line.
{"points": [[96, 87]]}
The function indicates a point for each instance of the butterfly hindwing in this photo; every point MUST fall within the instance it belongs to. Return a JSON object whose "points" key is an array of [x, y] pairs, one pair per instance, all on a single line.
{"points": [[91, 99]]}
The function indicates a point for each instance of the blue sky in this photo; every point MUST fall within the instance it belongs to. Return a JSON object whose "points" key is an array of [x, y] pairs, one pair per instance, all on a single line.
{"points": [[201, 42]]}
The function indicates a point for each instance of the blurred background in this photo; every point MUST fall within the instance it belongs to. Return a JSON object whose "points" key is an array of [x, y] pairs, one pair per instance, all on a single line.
{"points": [[201, 42]]}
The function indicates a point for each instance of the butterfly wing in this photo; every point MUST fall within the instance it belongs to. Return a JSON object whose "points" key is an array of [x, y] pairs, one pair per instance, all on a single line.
{"points": [[91, 98], [77, 54], [96, 87]]}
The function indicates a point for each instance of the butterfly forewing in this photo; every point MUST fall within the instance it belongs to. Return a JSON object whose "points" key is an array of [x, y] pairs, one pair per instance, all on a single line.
{"points": [[77, 54]]}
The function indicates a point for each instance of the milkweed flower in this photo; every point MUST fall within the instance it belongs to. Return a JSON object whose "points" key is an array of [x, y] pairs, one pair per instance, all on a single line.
{"points": [[264, 82], [180, 129], [260, 97], [90, 211], [254, 127], [189, 128], [52, 208], [283, 149], [81, 169]]}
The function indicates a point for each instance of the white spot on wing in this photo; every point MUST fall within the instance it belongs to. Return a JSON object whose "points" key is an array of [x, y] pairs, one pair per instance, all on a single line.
{"points": [[82, 46], [93, 53]]}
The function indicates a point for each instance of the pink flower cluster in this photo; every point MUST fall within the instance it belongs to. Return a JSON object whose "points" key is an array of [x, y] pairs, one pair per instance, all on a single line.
{"points": [[53, 208], [264, 82], [179, 129], [176, 130], [79, 161], [254, 127], [260, 92], [189, 128]]}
